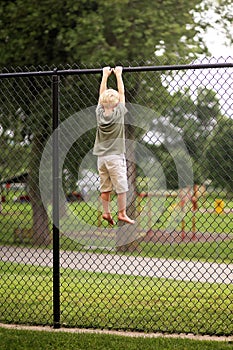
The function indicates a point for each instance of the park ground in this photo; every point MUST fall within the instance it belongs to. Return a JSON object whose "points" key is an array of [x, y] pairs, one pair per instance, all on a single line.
{"points": [[27, 337]]}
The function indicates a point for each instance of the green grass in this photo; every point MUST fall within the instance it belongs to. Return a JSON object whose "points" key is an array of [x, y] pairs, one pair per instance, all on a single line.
{"points": [[213, 252], [206, 221], [14, 215], [19, 215], [27, 340], [98, 300]]}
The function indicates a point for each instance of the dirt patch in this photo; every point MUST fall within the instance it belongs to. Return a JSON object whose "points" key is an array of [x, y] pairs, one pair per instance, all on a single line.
{"points": [[228, 339], [184, 237]]}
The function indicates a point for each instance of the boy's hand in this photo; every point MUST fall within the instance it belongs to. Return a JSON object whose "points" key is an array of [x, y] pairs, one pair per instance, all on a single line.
{"points": [[107, 71], [118, 70]]}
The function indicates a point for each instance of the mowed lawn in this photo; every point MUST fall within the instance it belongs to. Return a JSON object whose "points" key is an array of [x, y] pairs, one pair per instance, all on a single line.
{"points": [[12, 339], [111, 301], [117, 301]]}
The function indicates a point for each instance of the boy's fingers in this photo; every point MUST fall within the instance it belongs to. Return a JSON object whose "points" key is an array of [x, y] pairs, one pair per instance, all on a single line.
{"points": [[107, 70], [118, 69]]}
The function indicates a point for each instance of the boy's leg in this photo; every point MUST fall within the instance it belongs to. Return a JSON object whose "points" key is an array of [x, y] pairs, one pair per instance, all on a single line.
{"points": [[105, 198], [122, 216]]}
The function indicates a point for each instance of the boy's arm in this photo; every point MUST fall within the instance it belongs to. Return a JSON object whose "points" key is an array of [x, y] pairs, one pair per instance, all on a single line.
{"points": [[103, 85], [120, 83]]}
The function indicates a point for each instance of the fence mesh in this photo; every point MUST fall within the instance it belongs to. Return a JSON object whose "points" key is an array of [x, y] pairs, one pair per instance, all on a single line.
{"points": [[171, 271]]}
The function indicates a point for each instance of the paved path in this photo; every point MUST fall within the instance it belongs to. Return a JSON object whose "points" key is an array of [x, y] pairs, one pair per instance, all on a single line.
{"points": [[123, 265]]}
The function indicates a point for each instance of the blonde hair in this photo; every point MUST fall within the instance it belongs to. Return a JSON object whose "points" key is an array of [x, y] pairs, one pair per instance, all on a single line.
{"points": [[109, 98]]}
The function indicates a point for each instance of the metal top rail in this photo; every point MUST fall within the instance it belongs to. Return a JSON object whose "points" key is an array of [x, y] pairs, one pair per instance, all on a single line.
{"points": [[125, 69]]}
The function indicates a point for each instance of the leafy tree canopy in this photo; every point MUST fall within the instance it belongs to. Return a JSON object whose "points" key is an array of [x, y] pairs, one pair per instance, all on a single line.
{"points": [[53, 32]]}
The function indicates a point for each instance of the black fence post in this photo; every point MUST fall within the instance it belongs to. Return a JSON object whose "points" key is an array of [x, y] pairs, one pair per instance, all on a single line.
{"points": [[56, 240]]}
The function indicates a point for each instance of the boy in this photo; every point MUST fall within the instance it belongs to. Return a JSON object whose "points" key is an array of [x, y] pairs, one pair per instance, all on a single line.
{"points": [[110, 145]]}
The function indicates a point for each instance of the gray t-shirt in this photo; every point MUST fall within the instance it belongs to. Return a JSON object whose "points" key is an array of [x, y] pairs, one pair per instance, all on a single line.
{"points": [[110, 133]]}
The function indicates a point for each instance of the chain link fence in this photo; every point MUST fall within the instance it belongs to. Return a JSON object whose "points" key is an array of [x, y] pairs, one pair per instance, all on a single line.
{"points": [[60, 262]]}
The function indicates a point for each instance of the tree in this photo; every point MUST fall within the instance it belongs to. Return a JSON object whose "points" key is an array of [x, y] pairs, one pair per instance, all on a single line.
{"points": [[196, 120], [14, 151], [51, 32], [219, 155], [217, 14]]}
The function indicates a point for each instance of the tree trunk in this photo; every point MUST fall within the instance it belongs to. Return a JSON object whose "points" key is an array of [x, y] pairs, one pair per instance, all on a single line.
{"points": [[127, 239], [41, 232]]}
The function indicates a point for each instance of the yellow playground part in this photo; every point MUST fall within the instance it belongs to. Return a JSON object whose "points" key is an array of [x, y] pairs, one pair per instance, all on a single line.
{"points": [[219, 206]]}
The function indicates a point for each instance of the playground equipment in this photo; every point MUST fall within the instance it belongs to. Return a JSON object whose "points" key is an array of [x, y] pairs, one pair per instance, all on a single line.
{"points": [[219, 206], [186, 201]]}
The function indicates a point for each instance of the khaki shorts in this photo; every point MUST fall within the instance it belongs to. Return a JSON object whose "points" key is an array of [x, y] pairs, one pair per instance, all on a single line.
{"points": [[113, 173]]}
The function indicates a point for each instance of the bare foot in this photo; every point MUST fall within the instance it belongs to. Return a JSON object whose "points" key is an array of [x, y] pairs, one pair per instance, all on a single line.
{"points": [[126, 219], [108, 218]]}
